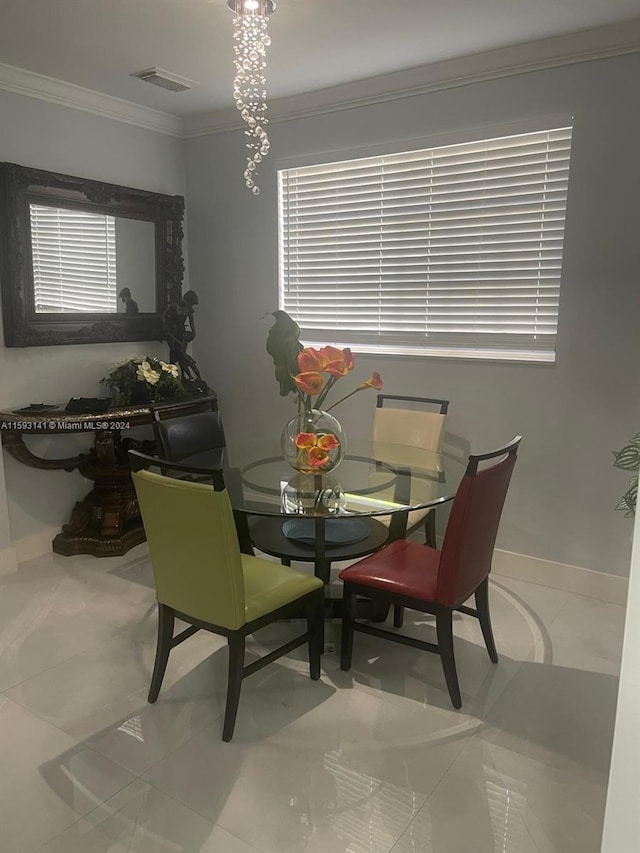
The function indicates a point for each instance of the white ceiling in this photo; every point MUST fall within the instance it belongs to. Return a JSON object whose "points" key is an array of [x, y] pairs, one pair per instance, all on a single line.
{"points": [[97, 44]]}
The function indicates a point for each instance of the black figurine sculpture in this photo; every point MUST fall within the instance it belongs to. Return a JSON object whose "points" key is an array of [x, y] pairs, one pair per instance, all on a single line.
{"points": [[179, 329], [130, 305]]}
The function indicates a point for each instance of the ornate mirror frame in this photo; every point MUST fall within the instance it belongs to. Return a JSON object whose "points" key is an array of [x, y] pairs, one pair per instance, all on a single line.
{"points": [[23, 327]]}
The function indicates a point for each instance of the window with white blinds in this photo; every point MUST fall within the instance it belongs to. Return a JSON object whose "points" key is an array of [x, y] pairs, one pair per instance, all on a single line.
{"points": [[74, 260], [454, 250]]}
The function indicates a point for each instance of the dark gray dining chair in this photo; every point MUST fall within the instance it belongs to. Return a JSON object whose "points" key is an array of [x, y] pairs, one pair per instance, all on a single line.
{"points": [[190, 435]]}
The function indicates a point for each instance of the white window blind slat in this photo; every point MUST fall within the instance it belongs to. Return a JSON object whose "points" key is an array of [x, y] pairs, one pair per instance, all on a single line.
{"points": [[445, 251], [74, 260]]}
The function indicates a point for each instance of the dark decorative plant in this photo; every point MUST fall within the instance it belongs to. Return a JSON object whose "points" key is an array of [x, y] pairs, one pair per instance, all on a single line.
{"points": [[283, 345], [629, 460]]}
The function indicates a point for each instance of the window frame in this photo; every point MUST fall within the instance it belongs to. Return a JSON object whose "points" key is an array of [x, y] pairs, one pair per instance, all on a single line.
{"points": [[402, 348]]}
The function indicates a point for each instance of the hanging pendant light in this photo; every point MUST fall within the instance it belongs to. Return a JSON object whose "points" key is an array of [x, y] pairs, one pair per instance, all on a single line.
{"points": [[251, 42]]}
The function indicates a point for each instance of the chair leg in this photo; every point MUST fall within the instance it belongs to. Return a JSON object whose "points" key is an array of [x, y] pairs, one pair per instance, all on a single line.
{"points": [[430, 529], [285, 561], [346, 650], [379, 610], [234, 683], [398, 615], [315, 629], [482, 606], [166, 621], [444, 628]]}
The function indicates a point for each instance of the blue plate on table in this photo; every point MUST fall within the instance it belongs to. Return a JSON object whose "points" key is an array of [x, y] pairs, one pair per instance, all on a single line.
{"points": [[337, 532]]}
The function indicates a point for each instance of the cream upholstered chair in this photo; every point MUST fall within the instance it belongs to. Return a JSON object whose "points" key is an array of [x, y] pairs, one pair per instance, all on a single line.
{"points": [[414, 428]]}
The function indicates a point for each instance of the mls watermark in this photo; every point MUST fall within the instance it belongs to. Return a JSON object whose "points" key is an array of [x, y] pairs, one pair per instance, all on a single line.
{"points": [[63, 426]]}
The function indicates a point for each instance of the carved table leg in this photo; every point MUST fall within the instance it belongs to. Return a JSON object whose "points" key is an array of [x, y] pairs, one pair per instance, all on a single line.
{"points": [[107, 522]]}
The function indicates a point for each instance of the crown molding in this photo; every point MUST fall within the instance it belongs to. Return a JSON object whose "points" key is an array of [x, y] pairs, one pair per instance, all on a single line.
{"points": [[581, 46], [23, 82]]}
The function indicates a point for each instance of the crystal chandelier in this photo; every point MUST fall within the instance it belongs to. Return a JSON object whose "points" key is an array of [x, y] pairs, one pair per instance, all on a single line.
{"points": [[251, 41]]}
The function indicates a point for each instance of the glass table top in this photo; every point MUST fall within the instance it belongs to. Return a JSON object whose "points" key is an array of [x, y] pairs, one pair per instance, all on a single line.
{"points": [[374, 478]]}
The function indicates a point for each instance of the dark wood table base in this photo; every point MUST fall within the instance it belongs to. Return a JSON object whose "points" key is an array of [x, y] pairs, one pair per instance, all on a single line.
{"points": [[90, 541], [107, 522], [266, 535]]}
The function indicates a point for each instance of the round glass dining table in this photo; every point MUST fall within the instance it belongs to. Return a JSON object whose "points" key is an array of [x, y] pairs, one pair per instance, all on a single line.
{"points": [[342, 514]]}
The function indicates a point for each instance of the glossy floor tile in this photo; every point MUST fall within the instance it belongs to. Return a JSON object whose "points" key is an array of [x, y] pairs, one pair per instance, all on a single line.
{"points": [[48, 779], [493, 799], [372, 760], [141, 819]]}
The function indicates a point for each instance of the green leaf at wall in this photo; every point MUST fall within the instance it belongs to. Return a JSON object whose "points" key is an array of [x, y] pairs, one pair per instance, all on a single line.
{"points": [[628, 501], [628, 458]]}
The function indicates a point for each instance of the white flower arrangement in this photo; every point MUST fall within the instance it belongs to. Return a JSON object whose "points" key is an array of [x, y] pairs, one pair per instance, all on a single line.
{"points": [[144, 379]]}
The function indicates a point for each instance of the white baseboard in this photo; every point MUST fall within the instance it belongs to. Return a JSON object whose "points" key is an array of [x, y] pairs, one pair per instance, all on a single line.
{"points": [[8, 561], [600, 585], [35, 545]]}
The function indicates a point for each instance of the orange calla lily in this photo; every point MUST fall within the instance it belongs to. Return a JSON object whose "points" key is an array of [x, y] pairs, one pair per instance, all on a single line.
{"points": [[337, 368], [340, 361], [306, 440], [332, 353], [349, 360], [310, 382], [311, 360], [314, 451], [374, 381], [318, 457], [328, 442]]}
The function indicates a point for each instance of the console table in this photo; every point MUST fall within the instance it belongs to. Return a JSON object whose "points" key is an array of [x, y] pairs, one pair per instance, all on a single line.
{"points": [[107, 521]]}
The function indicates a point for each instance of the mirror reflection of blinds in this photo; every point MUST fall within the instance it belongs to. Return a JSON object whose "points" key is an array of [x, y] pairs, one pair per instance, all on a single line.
{"points": [[74, 260], [454, 250]]}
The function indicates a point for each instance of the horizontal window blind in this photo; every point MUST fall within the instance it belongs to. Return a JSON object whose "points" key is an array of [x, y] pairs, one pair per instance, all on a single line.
{"points": [[454, 250], [74, 260]]}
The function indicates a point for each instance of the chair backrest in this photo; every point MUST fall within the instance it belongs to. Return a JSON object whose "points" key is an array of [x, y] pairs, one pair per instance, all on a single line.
{"points": [[188, 435], [424, 429], [471, 532], [194, 547]]}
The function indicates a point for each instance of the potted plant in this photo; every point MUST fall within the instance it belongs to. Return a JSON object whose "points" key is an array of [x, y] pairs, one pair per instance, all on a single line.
{"points": [[629, 460], [144, 379]]}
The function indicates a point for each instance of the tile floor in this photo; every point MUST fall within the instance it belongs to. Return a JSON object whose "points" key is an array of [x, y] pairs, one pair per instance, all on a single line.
{"points": [[370, 761]]}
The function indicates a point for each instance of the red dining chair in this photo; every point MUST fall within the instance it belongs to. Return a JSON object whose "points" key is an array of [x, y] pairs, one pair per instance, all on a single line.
{"points": [[408, 574]]}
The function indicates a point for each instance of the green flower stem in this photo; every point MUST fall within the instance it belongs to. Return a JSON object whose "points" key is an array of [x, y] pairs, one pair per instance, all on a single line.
{"points": [[342, 399], [323, 394]]}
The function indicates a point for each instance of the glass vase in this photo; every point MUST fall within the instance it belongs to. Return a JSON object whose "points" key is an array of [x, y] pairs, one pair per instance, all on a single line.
{"points": [[313, 442], [312, 494]]}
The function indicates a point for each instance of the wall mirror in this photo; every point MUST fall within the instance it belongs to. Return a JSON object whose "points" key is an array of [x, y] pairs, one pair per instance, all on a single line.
{"points": [[83, 261]]}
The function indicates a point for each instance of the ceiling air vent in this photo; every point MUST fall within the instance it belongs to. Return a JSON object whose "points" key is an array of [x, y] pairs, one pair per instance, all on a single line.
{"points": [[165, 79]]}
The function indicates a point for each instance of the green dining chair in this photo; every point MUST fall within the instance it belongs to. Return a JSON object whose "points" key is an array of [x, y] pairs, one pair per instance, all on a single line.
{"points": [[202, 578]]}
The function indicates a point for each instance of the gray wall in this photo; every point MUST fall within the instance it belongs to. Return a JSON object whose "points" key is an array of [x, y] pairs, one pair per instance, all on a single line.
{"points": [[572, 414], [47, 136]]}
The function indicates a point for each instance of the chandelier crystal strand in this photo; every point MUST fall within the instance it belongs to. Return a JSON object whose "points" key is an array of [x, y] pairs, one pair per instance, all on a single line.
{"points": [[249, 92]]}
